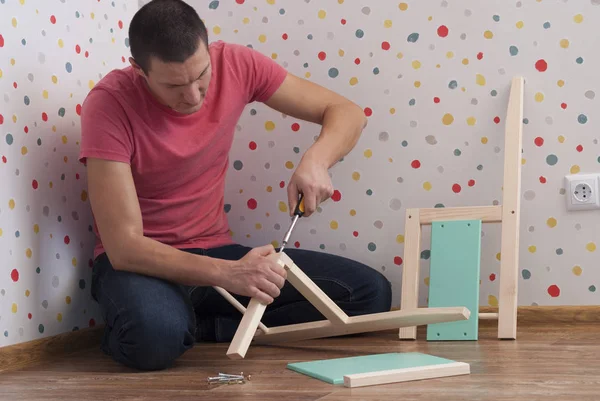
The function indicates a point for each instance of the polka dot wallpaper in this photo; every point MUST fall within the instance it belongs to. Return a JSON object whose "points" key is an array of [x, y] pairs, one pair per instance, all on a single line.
{"points": [[433, 78], [51, 54]]}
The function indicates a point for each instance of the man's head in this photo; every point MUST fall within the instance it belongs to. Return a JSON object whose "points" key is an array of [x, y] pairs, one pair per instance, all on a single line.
{"points": [[169, 48]]}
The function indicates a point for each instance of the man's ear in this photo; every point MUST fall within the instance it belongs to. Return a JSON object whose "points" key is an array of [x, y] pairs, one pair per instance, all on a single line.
{"points": [[136, 67]]}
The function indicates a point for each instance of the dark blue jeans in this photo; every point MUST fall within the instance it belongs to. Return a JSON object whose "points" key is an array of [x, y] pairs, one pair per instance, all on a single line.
{"points": [[150, 322]]}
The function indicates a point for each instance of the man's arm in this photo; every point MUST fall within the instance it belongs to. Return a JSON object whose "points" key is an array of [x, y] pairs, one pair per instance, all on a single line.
{"points": [[117, 213], [342, 123]]}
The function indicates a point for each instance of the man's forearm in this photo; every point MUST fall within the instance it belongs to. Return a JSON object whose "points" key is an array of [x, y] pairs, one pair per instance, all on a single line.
{"points": [[341, 128], [143, 255]]}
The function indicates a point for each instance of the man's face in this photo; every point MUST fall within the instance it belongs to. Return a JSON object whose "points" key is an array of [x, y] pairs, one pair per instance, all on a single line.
{"points": [[180, 86]]}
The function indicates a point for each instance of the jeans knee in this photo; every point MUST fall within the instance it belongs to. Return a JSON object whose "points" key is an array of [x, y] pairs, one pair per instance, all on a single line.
{"points": [[379, 293], [152, 342]]}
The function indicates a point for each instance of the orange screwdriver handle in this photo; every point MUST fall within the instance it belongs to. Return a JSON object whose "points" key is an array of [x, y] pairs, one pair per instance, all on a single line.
{"points": [[300, 207]]}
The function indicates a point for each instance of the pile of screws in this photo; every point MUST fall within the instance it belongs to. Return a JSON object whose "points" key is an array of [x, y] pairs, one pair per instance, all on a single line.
{"points": [[228, 379]]}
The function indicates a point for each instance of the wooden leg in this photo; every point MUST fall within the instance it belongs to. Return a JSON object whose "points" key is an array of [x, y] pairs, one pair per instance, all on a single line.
{"points": [[253, 314], [409, 296], [250, 322], [509, 265], [363, 324], [246, 330]]}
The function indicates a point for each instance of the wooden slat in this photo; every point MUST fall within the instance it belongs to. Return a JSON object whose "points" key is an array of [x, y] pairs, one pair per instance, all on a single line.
{"points": [[487, 214], [406, 374], [312, 292], [409, 295], [511, 201], [363, 324], [488, 316]]}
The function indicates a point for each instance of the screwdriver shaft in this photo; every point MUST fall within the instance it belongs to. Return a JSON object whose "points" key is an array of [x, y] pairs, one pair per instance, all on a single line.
{"points": [[299, 211], [288, 233]]}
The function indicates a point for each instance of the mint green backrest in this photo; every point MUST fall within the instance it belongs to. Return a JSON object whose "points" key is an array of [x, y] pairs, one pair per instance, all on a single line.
{"points": [[454, 276]]}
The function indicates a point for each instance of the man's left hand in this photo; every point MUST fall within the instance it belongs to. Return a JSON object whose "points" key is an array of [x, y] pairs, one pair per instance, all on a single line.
{"points": [[311, 178]]}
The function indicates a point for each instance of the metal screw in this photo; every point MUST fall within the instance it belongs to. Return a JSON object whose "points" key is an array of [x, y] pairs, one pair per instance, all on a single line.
{"points": [[226, 375], [227, 378]]}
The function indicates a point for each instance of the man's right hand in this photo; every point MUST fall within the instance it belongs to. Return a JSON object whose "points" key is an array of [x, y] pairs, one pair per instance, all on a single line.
{"points": [[255, 275]]}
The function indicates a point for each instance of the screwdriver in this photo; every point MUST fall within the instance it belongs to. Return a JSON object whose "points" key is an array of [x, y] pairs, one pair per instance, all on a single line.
{"points": [[298, 212]]}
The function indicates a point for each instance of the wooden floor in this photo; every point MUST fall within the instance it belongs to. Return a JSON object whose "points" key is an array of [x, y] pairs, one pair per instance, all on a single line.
{"points": [[546, 362]]}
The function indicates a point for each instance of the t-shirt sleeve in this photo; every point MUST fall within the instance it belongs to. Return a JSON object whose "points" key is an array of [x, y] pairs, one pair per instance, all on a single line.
{"points": [[259, 75], [105, 130]]}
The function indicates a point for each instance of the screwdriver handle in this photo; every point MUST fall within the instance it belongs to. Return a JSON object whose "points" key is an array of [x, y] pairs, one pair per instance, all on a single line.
{"points": [[299, 211]]}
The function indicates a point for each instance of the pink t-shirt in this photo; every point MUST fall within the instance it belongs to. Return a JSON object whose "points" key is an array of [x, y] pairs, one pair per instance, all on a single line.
{"points": [[178, 161]]}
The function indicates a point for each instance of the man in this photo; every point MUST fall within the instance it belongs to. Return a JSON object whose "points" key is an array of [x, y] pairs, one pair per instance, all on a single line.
{"points": [[155, 139]]}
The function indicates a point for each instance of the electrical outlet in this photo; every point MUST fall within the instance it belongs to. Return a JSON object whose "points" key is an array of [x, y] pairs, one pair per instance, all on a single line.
{"points": [[582, 191]]}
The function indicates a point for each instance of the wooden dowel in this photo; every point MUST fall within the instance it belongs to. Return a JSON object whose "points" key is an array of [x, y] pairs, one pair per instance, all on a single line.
{"points": [[237, 305]]}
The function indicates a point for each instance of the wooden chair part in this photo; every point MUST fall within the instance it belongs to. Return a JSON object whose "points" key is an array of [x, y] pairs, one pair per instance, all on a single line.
{"points": [[406, 374], [337, 323], [238, 306], [362, 324], [409, 296], [511, 213], [508, 214]]}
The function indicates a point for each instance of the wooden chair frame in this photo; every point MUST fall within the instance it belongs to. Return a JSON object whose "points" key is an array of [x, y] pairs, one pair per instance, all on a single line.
{"points": [[508, 214], [337, 322]]}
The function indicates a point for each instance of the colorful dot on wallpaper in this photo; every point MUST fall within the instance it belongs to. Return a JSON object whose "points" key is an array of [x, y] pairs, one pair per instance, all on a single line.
{"points": [[46, 239]]}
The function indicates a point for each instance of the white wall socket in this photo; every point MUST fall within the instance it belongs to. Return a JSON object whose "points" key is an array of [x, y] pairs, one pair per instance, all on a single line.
{"points": [[582, 191]]}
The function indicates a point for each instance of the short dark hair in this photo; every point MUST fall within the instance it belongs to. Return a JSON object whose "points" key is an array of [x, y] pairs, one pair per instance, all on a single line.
{"points": [[169, 30]]}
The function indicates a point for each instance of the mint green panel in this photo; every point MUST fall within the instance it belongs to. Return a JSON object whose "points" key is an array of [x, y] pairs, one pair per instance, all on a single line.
{"points": [[454, 276], [333, 370]]}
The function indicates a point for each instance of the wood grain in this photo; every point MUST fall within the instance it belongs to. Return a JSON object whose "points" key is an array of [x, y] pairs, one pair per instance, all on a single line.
{"points": [[406, 374], [246, 329], [18, 356], [487, 214], [409, 296], [511, 213], [47, 350], [547, 362]]}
